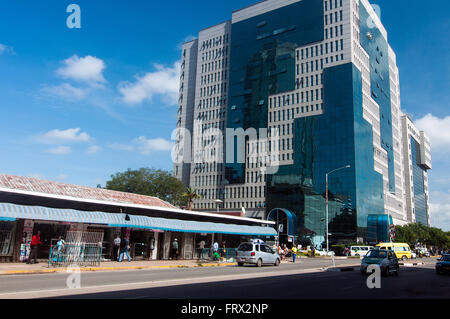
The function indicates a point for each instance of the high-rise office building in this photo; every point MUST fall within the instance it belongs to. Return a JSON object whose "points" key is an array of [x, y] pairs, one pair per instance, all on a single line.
{"points": [[287, 93]]}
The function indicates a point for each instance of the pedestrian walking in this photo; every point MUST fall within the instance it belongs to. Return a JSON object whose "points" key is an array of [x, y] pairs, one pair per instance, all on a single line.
{"points": [[215, 251], [175, 249], [116, 247], [280, 252], [294, 253], [346, 251], [202, 248], [313, 251], [151, 247], [35, 242], [285, 251], [223, 252], [59, 248], [124, 249], [215, 247]]}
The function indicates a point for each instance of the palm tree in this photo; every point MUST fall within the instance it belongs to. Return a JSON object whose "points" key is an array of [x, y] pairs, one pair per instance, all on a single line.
{"points": [[190, 194]]}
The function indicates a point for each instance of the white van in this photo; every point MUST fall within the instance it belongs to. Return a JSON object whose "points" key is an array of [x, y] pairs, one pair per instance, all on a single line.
{"points": [[359, 251]]}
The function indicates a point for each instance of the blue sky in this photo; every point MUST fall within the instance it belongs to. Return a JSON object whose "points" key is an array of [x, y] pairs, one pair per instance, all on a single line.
{"points": [[81, 104]]}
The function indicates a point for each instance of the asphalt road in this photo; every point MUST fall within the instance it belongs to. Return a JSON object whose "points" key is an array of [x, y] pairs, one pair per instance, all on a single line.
{"points": [[304, 280]]}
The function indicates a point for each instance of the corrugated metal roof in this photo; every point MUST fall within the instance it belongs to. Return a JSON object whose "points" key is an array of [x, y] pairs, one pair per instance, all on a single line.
{"points": [[84, 192], [12, 211]]}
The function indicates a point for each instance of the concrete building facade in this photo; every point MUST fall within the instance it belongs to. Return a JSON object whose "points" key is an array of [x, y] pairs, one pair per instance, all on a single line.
{"points": [[296, 89]]}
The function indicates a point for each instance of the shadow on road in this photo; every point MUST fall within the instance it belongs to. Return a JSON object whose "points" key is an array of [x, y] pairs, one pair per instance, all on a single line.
{"points": [[411, 283]]}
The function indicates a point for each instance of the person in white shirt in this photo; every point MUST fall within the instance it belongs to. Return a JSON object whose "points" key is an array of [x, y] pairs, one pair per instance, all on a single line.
{"points": [[116, 247]]}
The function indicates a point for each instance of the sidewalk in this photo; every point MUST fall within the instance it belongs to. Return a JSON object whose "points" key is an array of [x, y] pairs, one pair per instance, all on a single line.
{"points": [[42, 266]]}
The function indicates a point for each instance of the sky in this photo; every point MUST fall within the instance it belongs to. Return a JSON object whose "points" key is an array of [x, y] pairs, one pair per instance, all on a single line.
{"points": [[79, 105]]}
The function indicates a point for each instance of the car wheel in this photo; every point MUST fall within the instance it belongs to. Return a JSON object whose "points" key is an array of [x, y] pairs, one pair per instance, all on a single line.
{"points": [[404, 258], [259, 263], [277, 262], [240, 264]]}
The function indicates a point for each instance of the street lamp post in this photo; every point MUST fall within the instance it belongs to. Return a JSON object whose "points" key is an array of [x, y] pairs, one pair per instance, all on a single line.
{"points": [[218, 202], [326, 199]]}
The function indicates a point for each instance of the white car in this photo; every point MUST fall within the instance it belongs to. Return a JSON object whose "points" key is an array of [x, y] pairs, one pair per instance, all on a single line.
{"points": [[359, 251], [413, 255], [324, 253], [257, 253]]}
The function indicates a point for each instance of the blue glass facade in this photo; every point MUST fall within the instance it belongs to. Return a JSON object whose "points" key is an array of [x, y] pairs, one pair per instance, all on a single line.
{"points": [[378, 228], [376, 46], [262, 63], [420, 203], [339, 137]]}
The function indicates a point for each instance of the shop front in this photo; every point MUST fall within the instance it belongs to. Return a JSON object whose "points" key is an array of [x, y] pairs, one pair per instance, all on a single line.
{"points": [[7, 236], [150, 237]]}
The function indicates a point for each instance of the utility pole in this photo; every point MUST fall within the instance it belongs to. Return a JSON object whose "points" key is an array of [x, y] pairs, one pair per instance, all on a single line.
{"points": [[326, 199]]}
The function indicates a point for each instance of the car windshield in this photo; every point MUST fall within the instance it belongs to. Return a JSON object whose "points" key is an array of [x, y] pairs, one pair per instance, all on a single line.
{"points": [[446, 258], [246, 247], [377, 254]]}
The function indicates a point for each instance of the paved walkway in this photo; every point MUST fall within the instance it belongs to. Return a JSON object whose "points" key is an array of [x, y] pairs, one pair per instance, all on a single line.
{"points": [[42, 266]]}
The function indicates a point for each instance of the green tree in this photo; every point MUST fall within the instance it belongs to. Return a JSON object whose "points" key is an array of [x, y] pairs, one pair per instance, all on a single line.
{"points": [[419, 233], [405, 234], [150, 182], [190, 194]]}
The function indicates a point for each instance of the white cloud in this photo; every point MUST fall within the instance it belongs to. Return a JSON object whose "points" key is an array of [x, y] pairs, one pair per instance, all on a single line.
{"points": [[61, 177], [6, 49], [189, 38], [60, 150], [88, 69], [148, 146], [437, 129], [164, 82], [121, 147], [440, 210], [65, 91], [144, 145], [56, 136], [36, 176], [94, 149]]}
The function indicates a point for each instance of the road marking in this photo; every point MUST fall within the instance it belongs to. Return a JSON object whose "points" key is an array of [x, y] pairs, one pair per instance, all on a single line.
{"points": [[148, 284]]}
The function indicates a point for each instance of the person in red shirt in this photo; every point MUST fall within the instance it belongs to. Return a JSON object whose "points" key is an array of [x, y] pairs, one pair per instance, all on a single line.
{"points": [[35, 242]]}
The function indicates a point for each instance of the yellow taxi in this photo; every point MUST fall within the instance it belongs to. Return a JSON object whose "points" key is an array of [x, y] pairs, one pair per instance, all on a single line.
{"points": [[401, 250]]}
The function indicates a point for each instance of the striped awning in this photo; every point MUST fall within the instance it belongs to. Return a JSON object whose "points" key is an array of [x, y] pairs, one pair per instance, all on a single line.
{"points": [[13, 211]]}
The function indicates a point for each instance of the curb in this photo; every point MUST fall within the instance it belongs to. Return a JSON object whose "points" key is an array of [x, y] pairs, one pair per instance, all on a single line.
{"points": [[410, 264], [92, 269], [342, 269]]}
